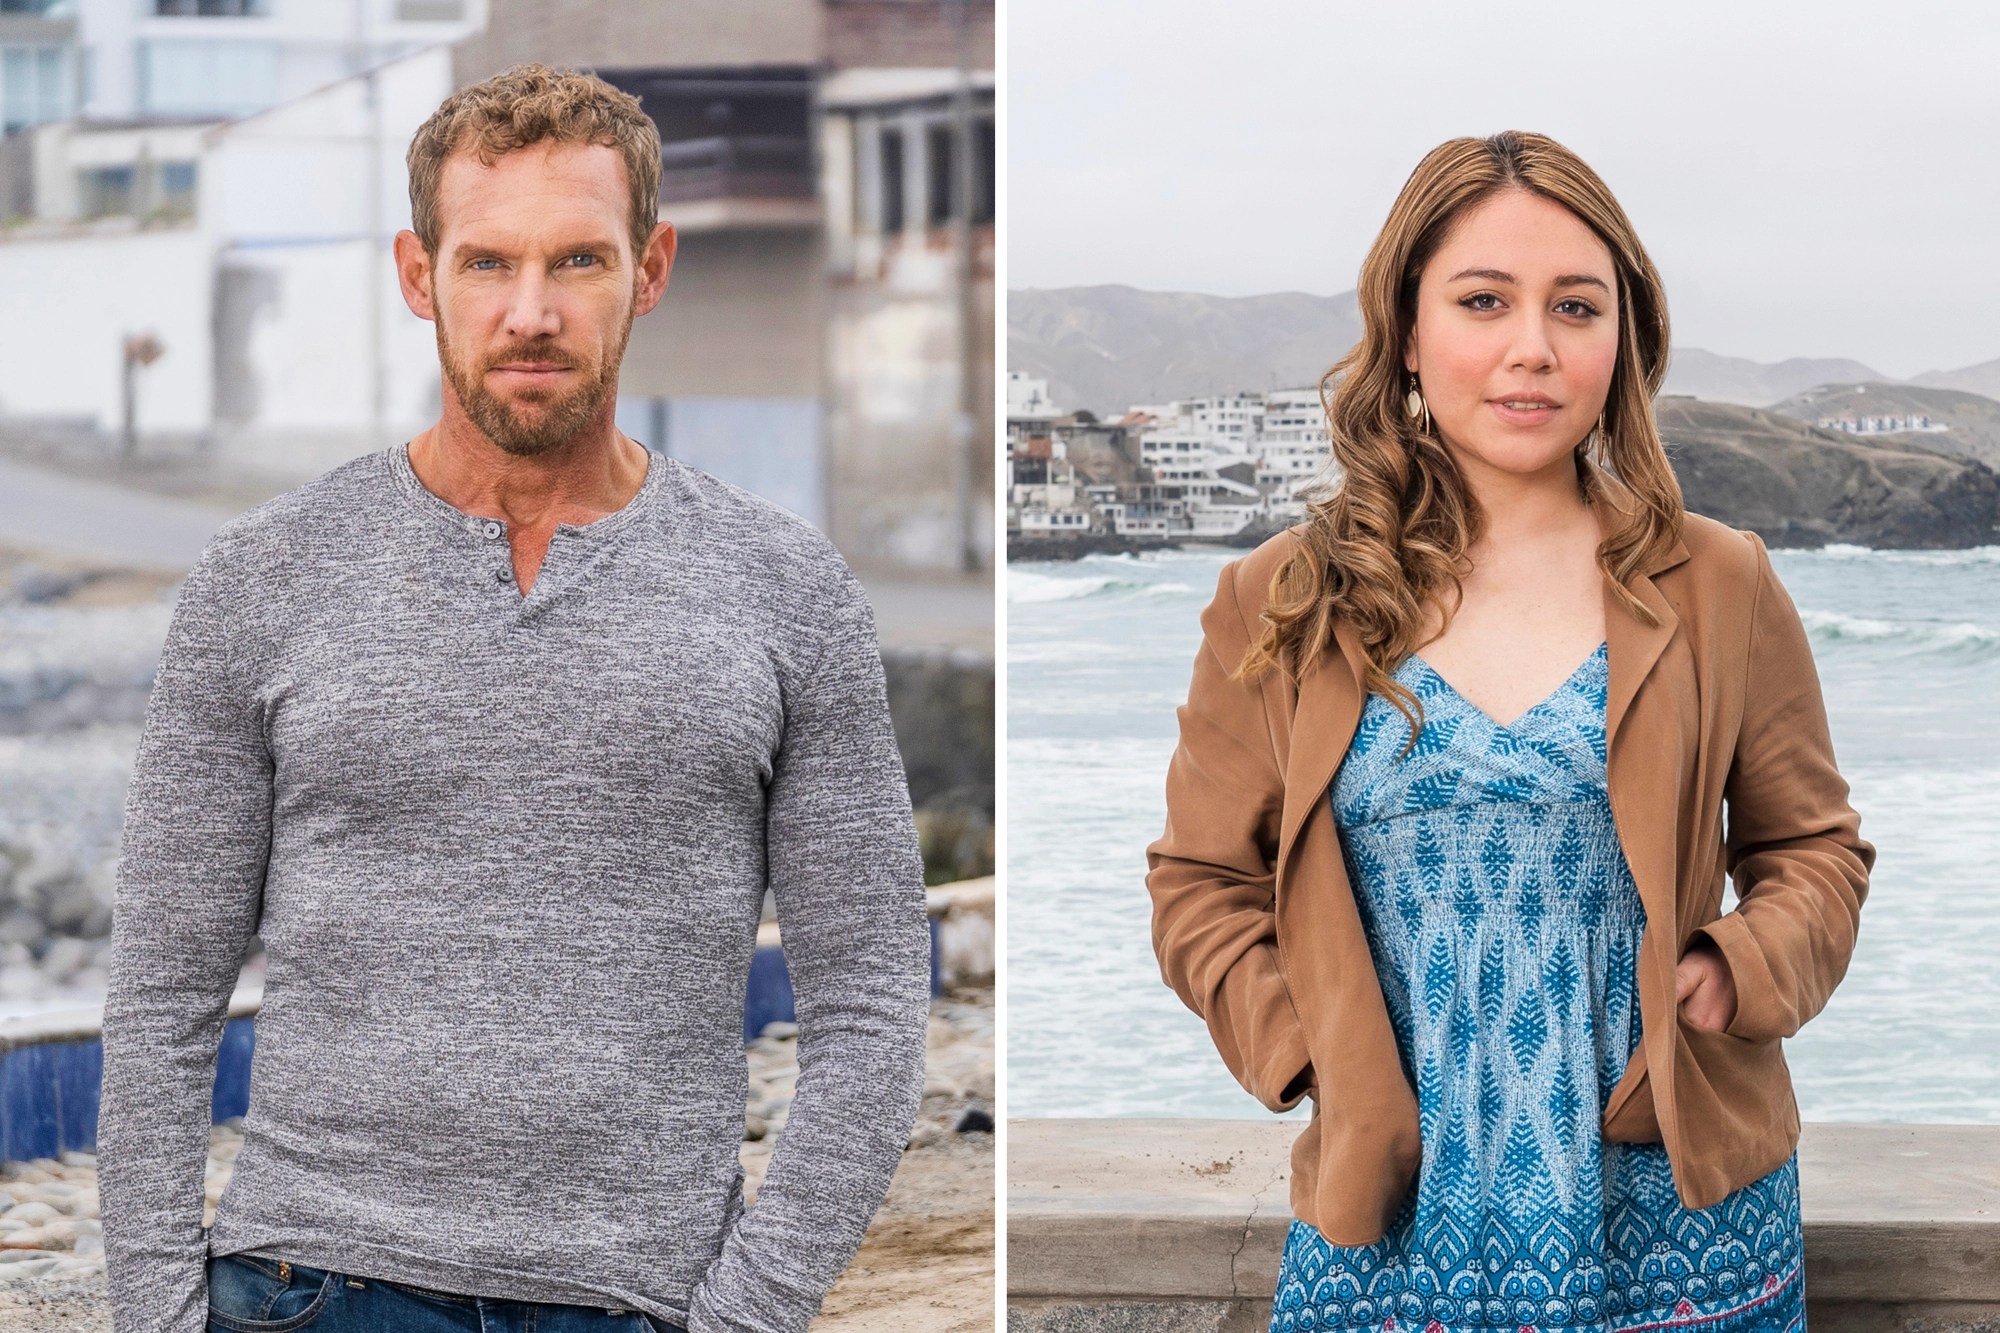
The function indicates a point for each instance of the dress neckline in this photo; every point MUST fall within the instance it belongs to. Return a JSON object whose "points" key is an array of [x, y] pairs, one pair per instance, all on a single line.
{"points": [[1537, 707]]}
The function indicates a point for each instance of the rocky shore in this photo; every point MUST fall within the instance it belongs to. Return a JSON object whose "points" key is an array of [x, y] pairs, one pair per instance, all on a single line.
{"points": [[925, 1267]]}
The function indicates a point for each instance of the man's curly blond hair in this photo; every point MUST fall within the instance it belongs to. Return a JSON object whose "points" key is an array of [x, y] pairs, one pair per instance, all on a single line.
{"points": [[530, 104]]}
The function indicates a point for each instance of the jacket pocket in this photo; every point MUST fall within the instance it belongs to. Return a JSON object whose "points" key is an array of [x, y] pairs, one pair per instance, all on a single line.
{"points": [[1629, 1114]]}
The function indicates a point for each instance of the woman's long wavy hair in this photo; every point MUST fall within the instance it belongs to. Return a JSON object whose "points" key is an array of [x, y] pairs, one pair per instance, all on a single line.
{"points": [[1394, 534]]}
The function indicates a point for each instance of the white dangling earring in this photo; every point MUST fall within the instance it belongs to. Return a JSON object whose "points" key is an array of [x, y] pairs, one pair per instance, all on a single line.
{"points": [[1415, 406]]}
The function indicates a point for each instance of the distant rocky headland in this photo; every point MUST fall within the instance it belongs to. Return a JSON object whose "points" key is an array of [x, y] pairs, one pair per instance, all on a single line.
{"points": [[1799, 485], [1804, 452]]}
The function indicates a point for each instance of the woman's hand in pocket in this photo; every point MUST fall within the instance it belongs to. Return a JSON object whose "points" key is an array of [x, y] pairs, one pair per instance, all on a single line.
{"points": [[1704, 988]]}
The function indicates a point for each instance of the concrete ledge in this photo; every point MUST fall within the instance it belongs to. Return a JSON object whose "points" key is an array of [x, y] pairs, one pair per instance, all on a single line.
{"points": [[1178, 1225]]}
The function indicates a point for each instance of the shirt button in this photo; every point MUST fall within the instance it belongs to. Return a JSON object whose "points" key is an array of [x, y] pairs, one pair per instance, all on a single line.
{"points": [[492, 529], [503, 576]]}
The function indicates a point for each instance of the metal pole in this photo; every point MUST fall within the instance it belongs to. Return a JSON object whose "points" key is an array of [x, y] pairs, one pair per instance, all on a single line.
{"points": [[966, 425], [129, 433], [378, 396]]}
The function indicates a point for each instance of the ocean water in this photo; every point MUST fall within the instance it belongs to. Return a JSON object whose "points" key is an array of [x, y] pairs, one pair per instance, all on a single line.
{"points": [[1100, 653]]}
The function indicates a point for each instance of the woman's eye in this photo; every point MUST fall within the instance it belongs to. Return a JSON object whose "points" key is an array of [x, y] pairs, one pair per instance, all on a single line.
{"points": [[1472, 302], [1576, 307]]}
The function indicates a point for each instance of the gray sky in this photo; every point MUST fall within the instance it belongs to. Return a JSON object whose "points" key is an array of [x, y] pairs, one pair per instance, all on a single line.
{"points": [[1814, 179]]}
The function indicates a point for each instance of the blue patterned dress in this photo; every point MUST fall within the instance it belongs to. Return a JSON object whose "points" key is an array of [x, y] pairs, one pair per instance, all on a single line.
{"points": [[1505, 925]]}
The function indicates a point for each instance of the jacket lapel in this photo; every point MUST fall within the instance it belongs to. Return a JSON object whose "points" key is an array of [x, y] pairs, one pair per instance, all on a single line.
{"points": [[1331, 697], [1323, 722]]}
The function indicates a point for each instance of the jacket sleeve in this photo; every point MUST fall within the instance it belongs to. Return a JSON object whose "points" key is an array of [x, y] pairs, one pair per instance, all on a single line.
{"points": [[1211, 874], [847, 875], [188, 898], [1794, 844]]}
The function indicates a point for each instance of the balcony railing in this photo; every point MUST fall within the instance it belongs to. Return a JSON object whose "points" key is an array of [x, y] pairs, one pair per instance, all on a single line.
{"points": [[736, 167]]}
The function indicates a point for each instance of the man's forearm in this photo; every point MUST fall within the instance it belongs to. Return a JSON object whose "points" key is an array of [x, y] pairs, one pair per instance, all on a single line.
{"points": [[189, 896]]}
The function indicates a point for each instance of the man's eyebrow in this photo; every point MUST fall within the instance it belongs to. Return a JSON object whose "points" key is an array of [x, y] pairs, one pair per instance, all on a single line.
{"points": [[1566, 280], [473, 249]]}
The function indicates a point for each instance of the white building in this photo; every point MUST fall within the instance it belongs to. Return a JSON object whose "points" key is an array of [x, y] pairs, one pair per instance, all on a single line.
{"points": [[254, 251], [1028, 398], [1228, 416], [1295, 446], [227, 58]]}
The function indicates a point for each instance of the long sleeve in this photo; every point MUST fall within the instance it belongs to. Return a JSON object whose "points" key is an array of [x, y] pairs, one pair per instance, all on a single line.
{"points": [[1211, 873], [1794, 844], [189, 891], [847, 877]]}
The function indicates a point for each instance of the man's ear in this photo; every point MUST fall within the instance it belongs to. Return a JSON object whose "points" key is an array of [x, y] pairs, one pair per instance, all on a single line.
{"points": [[656, 263], [414, 273]]}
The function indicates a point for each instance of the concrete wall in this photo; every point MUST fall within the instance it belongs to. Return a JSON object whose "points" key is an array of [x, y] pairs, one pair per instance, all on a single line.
{"points": [[899, 455], [318, 358], [608, 34], [741, 317], [1176, 1226], [861, 33], [71, 300]]}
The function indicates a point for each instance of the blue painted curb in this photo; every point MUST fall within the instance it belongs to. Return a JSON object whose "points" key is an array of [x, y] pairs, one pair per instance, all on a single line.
{"points": [[49, 1088]]}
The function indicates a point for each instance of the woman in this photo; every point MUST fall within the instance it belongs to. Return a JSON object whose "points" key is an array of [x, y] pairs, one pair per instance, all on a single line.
{"points": [[1469, 901]]}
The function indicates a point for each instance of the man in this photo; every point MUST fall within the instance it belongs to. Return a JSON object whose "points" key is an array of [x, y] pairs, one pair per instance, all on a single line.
{"points": [[498, 739]]}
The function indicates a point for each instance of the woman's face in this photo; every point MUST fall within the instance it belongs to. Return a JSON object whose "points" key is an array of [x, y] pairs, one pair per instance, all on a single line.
{"points": [[1516, 335]]}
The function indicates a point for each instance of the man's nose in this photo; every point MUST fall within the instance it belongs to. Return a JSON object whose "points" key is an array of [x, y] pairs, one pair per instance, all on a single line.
{"points": [[531, 312]]}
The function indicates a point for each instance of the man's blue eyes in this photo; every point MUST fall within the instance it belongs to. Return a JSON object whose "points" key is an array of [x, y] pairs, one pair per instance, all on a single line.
{"points": [[592, 258]]}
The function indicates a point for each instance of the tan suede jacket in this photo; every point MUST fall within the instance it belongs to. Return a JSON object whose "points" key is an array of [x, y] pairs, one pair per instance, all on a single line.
{"points": [[1256, 927]]}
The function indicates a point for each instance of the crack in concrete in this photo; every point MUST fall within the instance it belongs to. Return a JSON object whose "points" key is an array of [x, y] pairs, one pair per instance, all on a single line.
{"points": [[1256, 1202]]}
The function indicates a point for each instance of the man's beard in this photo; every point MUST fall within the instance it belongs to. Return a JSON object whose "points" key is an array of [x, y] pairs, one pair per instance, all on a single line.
{"points": [[559, 417]]}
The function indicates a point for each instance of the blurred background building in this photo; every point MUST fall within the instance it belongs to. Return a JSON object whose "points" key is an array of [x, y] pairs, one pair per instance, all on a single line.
{"points": [[198, 199]]}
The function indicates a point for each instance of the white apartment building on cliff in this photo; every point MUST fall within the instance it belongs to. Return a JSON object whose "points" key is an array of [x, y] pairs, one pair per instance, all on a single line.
{"points": [[1209, 468]]}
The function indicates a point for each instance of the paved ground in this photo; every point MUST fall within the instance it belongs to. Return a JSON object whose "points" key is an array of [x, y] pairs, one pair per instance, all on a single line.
{"points": [[98, 520]]}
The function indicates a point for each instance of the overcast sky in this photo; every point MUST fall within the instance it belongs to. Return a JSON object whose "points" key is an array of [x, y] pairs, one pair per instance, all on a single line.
{"points": [[1814, 179]]}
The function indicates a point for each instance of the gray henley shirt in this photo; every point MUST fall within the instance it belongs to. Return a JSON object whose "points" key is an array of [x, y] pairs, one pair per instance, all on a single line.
{"points": [[507, 855]]}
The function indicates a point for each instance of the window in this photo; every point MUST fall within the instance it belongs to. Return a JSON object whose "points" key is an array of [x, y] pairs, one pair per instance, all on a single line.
{"points": [[52, 9], [219, 9], [32, 87], [207, 78], [982, 170], [940, 170], [105, 191], [892, 180], [176, 194]]}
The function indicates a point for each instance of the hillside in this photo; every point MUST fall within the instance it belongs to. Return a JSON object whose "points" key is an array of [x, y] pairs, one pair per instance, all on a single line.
{"points": [[1983, 378], [1106, 348], [1735, 379], [1796, 485], [1974, 418]]}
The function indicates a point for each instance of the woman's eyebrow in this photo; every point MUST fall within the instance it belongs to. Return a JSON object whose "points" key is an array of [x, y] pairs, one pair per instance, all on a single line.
{"points": [[1566, 280]]}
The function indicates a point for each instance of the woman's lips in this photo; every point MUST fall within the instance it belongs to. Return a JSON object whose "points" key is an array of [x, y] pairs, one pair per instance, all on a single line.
{"points": [[1522, 416]]}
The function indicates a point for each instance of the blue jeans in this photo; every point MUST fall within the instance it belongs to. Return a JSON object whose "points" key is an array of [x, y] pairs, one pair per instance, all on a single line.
{"points": [[248, 1293]]}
